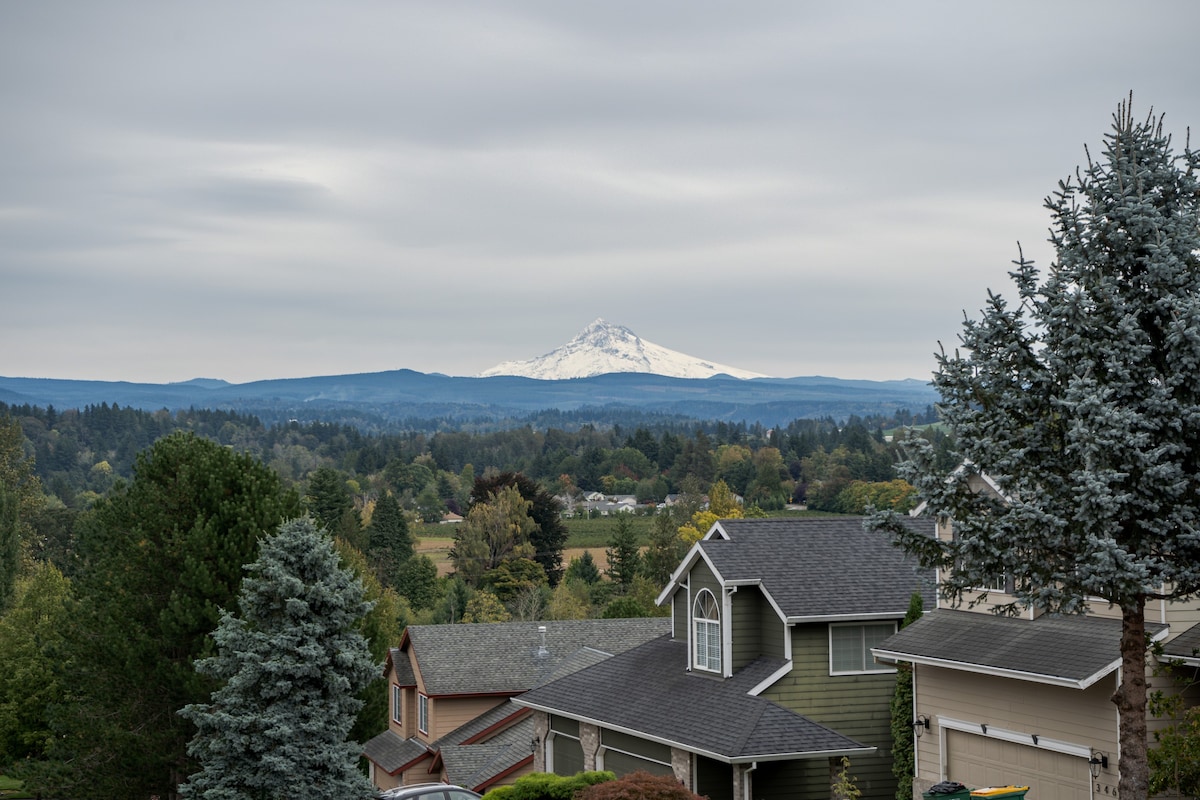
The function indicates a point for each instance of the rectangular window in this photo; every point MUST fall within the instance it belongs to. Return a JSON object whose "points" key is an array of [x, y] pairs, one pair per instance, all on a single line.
{"points": [[422, 713], [396, 710], [708, 645], [850, 647]]}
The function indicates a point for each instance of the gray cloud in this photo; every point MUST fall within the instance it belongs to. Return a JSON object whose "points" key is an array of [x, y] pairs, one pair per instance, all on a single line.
{"points": [[279, 189]]}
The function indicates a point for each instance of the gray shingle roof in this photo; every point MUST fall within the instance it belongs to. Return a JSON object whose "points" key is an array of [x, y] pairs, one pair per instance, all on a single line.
{"points": [[1062, 650], [391, 752], [1186, 645], [404, 671], [822, 567], [647, 692], [475, 765], [503, 658]]}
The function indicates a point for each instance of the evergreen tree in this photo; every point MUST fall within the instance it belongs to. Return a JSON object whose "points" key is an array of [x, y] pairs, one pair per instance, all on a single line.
{"points": [[389, 543], [416, 582], [623, 555], [583, 568], [291, 664], [160, 557], [903, 755], [328, 498], [1082, 402]]}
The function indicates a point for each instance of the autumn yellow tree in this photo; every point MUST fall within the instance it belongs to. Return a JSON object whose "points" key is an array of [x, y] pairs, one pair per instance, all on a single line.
{"points": [[722, 504]]}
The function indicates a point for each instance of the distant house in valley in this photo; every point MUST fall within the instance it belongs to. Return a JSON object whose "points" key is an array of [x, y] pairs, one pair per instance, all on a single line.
{"points": [[449, 690], [765, 678]]}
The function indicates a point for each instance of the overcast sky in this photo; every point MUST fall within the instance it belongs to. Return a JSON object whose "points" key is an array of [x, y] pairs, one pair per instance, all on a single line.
{"points": [[250, 190]]}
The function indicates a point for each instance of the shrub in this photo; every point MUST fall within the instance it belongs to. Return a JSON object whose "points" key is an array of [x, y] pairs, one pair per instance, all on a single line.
{"points": [[545, 786], [640, 786]]}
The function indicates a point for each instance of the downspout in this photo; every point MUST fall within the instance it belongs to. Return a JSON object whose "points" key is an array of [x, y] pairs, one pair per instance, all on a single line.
{"points": [[747, 783]]}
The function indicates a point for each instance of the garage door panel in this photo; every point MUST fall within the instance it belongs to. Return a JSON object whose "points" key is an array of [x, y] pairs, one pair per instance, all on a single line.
{"points": [[978, 761]]}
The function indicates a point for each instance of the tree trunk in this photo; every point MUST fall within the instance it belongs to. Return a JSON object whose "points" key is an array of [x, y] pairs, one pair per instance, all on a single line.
{"points": [[1130, 698]]}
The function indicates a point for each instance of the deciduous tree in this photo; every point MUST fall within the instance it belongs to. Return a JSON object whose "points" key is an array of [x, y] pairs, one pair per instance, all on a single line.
{"points": [[550, 534]]}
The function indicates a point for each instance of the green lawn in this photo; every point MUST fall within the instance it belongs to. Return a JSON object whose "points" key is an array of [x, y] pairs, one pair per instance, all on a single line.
{"points": [[11, 788]]}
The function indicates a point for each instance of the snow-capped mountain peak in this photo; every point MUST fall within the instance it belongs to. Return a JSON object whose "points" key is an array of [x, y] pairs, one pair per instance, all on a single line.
{"points": [[602, 348]]}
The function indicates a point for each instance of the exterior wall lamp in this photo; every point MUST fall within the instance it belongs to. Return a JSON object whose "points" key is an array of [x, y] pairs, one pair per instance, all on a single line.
{"points": [[920, 724], [1097, 762]]}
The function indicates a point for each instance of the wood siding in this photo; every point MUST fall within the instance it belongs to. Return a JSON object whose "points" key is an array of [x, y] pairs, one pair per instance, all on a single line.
{"points": [[748, 608], [450, 713], [854, 705], [1084, 718]]}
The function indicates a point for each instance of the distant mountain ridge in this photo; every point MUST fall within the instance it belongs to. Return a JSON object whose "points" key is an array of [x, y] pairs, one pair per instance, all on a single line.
{"points": [[603, 348], [390, 398]]}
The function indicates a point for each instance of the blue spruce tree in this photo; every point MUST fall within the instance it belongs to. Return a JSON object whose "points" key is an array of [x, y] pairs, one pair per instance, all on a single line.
{"points": [[292, 664], [1082, 402]]}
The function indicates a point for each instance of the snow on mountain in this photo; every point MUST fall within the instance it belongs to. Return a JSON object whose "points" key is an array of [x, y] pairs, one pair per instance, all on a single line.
{"points": [[602, 348]]}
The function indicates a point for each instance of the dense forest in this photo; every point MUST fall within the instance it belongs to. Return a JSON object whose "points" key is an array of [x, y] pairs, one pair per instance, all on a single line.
{"points": [[79, 454], [123, 534]]}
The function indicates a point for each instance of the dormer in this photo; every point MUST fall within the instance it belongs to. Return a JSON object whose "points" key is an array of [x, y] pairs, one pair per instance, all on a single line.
{"points": [[742, 589]]}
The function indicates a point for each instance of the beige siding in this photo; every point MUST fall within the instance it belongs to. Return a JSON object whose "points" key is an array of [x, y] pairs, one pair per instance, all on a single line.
{"points": [[449, 713], [1085, 718]]}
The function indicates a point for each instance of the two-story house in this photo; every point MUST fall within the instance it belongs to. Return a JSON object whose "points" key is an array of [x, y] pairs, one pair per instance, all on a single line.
{"points": [[765, 679], [1023, 700], [449, 687]]}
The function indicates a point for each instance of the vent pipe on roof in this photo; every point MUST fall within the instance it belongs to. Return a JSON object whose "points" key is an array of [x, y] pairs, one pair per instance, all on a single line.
{"points": [[542, 651]]}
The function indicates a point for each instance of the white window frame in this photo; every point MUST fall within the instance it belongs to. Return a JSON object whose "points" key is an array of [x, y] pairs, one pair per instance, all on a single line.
{"points": [[397, 709], [423, 712], [706, 632], [870, 666]]}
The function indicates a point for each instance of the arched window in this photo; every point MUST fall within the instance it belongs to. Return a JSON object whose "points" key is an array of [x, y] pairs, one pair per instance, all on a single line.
{"points": [[706, 624]]}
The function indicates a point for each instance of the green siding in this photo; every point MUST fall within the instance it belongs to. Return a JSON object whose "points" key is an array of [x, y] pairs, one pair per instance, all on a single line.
{"points": [[679, 615], [854, 705], [701, 578], [748, 604]]}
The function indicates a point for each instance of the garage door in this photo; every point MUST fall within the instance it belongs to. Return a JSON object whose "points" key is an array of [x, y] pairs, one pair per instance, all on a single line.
{"points": [[978, 761]]}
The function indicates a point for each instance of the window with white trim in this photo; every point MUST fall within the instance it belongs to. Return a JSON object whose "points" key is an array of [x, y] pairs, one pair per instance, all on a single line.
{"points": [[422, 713], [850, 647], [396, 710], [706, 632]]}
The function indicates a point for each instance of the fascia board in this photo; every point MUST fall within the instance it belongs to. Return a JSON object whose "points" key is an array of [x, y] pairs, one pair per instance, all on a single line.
{"points": [[676, 581], [997, 672], [878, 615], [770, 680]]}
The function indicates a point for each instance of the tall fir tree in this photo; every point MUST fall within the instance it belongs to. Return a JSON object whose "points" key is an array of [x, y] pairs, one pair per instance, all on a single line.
{"points": [[1082, 402], [291, 665], [623, 555], [160, 557], [389, 543]]}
